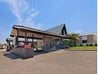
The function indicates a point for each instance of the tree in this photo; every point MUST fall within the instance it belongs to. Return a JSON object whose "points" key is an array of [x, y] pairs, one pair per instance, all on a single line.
{"points": [[74, 37]]}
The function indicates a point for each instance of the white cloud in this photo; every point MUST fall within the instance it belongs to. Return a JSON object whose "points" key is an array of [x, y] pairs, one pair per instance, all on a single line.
{"points": [[23, 12], [31, 16], [15, 9]]}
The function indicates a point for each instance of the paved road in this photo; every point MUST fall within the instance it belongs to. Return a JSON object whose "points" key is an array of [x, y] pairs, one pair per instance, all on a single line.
{"points": [[59, 62]]}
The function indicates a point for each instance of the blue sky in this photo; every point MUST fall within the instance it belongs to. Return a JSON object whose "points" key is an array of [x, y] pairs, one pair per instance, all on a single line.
{"points": [[78, 15]]}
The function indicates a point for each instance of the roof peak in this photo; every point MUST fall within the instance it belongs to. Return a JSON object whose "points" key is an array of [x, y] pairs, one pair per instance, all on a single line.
{"points": [[57, 29], [56, 26]]}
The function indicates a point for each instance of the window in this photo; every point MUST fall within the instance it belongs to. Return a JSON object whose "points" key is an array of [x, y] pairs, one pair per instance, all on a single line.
{"points": [[29, 40], [21, 39], [84, 41], [84, 37]]}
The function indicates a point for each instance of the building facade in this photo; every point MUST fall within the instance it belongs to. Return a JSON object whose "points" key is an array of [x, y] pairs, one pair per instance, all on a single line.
{"points": [[38, 38], [87, 39]]}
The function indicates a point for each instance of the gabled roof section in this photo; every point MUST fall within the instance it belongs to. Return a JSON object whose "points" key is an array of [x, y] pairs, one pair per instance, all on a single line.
{"points": [[58, 29], [35, 30]]}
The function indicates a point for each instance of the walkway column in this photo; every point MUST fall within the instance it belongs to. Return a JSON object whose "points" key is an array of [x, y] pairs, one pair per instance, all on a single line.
{"points": [[26, 37], [44, 40]]}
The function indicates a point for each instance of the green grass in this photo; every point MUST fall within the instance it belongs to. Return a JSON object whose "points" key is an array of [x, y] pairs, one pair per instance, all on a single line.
{"points": [[84, 48]]}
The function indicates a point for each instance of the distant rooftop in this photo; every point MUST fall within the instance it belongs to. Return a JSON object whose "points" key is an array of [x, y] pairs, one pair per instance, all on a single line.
{"points": [[93, 33]]}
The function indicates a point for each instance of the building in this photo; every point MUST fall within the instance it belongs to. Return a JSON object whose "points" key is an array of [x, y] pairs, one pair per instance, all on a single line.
{"points": [[3, 46], [87, 39], [38, 38]]}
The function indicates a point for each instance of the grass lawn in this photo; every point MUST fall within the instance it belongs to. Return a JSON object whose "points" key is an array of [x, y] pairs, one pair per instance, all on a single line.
{"points": [[85, 48]]}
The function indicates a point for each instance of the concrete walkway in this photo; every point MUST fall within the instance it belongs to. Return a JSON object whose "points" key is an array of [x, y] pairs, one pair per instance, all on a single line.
{"points": [[58, 62]]}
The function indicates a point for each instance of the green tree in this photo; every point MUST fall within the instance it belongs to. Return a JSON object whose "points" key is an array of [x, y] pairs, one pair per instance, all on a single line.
{"points": [[74, 37]]}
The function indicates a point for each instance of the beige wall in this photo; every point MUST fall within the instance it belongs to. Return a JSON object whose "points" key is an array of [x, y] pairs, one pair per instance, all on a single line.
{"points": [[14, 32], [90, 39], [46, 39]]}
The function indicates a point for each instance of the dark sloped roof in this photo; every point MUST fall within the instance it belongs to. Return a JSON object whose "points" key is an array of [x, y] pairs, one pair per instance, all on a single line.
{"points": [[27, 28], [57, 30], [36, 30]]}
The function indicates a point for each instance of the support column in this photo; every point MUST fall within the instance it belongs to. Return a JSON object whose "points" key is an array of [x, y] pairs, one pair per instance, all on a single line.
{"points": [[32, 44], [44, 40], [26, 37], [16, 39]]}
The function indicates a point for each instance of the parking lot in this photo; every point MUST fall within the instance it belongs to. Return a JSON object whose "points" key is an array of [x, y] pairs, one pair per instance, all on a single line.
{"points": [[58, 62]]}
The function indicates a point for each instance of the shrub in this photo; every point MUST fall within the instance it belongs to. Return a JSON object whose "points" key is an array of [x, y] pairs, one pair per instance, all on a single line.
{"points": [[95, 44], [87, 45], [90, 44], [76, 45], [81, 45], [71, 45]]}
